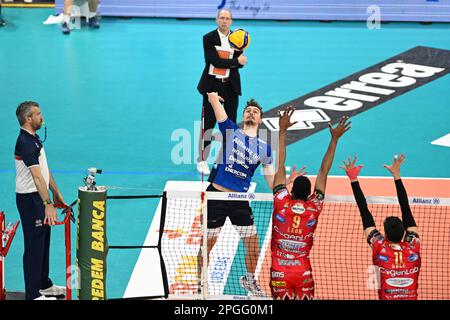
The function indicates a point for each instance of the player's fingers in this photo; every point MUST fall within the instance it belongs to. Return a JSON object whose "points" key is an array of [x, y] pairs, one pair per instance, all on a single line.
{"points": [[291, 111]]}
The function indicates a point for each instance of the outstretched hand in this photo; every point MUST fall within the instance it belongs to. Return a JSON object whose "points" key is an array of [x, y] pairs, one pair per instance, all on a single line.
{"points": [[342, 127], [394, 168], [351, 170], [294, 174], [284, 119], [214, 97]]}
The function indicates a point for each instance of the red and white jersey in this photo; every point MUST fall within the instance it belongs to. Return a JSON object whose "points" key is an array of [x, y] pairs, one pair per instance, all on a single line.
{"points": [[399, 265], [293, 226]]}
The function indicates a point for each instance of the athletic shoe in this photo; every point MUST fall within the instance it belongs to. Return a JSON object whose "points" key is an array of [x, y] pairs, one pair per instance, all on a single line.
{"points": [[251, 286], [45, 298], [202, 167], [65, 28], [2, 22], [93, 22], [53, 291]]}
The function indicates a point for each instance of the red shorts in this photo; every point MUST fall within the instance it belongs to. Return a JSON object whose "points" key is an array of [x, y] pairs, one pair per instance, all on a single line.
{"points": [[291, 285]]}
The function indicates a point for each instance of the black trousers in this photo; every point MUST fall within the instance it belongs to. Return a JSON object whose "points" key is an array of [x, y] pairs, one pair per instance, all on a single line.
{"points": [[225, 90], [36, 236]]}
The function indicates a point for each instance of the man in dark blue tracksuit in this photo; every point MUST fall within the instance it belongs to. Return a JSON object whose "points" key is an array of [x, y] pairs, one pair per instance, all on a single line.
{"points": [[37, 213]]}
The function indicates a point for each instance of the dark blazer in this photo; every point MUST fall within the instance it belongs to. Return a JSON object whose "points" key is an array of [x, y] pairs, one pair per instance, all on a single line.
{"points": [[206, 83]]}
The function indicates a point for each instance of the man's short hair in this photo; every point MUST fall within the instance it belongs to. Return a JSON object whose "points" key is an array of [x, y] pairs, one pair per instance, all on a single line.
{"points": [[301, 188], [394, 229], [253, 103], [220, 11], [25, 109]]}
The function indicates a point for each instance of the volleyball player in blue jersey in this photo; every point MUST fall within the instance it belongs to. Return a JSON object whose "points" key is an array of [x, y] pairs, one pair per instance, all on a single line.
{"points": [[242, 152]]}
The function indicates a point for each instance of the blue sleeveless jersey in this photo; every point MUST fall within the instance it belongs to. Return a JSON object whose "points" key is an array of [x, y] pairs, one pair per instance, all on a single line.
{"points": [[240, 156]]}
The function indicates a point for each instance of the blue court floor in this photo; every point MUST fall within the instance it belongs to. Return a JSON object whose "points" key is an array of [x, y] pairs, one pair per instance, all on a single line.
{"points": [[113, 98]]}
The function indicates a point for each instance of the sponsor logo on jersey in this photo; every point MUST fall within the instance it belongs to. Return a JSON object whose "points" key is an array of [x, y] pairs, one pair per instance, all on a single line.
{"points": [[306, 273], [414, 257], [298, 208], [400, 282], [278, 283], [289, 263], [292, 245], [398, 291], [285, 255], [235, 172], [277, 274], [311, 223], [280, 218], [400, 296], [399, 273], [383, 258]]}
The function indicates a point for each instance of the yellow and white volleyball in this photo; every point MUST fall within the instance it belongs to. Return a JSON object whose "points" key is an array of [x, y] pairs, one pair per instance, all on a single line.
{"points": [[239, 39]]}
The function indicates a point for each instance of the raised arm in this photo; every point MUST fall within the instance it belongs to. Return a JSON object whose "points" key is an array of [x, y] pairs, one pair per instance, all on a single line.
{"points": [[219, 111], [407, 217], [352, 172], [284, 123], [336, 133], [280, 174]]}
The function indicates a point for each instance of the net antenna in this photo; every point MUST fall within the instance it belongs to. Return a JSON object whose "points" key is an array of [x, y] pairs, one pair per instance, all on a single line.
{"points": [[204, 247]]}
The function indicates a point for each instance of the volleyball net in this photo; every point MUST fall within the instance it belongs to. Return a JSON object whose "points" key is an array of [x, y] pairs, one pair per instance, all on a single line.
{"points": [[341, 258]]}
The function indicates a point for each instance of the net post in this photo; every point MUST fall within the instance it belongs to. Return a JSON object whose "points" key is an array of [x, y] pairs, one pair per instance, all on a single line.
{"points": [[67, 236], [92, 252], [161, 232], [2, 275], [204, 249]]}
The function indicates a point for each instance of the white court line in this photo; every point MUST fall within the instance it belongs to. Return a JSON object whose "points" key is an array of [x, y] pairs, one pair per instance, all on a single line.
{"points": [[442, 141]]}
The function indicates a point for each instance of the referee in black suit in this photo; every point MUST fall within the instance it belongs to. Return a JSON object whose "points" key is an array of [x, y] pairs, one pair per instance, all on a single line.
{"points": [[228, 88]]}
